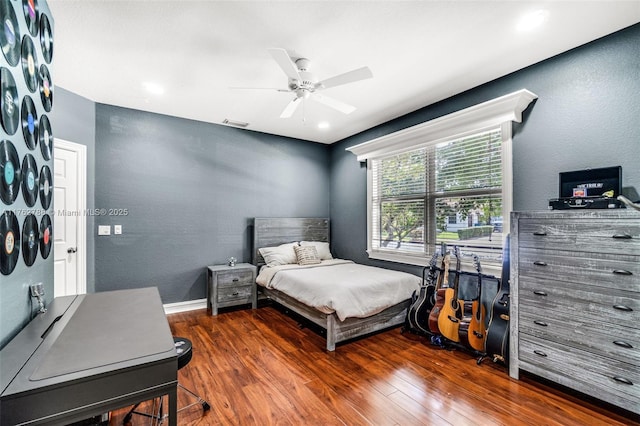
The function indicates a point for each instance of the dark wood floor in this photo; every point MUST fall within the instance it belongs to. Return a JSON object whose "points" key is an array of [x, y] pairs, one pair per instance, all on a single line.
{"points": [[259, 368]]}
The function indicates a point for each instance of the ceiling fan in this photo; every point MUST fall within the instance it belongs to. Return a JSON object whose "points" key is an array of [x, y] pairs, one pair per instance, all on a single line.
{"points": [[305, 85]]}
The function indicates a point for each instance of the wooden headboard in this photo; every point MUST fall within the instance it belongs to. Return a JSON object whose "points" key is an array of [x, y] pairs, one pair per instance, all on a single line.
{"points": [[273, 231]]}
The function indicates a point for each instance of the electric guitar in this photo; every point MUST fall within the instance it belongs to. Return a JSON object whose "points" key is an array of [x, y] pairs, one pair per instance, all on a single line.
{"points": [[443, 278], [451, 312], [497, 343], [477, 327], [418, 313]]}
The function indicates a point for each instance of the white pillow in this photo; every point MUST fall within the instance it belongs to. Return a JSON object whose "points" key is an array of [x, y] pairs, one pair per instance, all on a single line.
{"points": [[307, 255], [321, 247], [283, 254]]}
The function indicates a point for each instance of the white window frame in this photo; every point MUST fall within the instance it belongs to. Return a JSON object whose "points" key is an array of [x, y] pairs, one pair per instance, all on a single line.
{"points": [[499, 112]]}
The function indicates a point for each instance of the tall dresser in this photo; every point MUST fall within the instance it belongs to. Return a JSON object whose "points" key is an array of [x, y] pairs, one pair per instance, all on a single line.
{"points": [[575, 301]]}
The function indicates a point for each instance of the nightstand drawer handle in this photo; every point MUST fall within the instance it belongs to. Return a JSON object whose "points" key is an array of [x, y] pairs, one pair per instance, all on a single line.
{"points": [[539, 353], [623, 380], [622, 236], [622, 308], [540, 323], [235, 280], [235, 293], [540, 234], [539, 293], [622, 272], [623, 344], [540, 263]]}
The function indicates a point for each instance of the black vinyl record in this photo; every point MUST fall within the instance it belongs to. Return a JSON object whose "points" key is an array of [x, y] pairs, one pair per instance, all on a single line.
{"points": [[46, 38], [29, 119], [46, 236], [45, 136], [30, 180], [10, 34], [46, 88], [29, 63], [9, 172], [46, 187], [30, 239], [30, 8], [9, 114], [9, 242]]}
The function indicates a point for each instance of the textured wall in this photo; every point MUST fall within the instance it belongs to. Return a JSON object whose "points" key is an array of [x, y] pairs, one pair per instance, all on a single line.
{"points": [[586, 116], [16, 307], [190, 190]]}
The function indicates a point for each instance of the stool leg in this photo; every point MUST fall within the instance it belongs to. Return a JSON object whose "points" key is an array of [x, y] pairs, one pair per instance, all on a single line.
{"points": [[205, 404]]}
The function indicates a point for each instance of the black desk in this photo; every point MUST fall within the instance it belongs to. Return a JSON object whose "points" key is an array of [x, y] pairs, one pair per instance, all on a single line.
{"points": [[87, 355]]}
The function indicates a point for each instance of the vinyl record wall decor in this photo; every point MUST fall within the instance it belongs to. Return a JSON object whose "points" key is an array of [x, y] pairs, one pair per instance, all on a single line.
{"points": [[26, 96]]}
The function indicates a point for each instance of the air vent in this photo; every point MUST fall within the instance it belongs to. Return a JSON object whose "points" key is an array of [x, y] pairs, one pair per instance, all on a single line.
{"points": [[235, 123]]}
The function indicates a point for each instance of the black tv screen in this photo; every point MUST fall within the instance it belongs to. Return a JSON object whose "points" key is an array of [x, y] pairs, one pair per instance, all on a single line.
{"points": [[591, 182]]}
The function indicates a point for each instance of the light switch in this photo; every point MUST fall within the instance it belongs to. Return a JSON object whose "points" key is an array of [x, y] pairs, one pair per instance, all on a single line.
{"points": [[104, 229], [117, 229]]}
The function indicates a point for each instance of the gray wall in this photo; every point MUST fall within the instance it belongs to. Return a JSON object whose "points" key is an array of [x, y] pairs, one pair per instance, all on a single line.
{"points": [[587, 115], [75, 121], [190, 190], [16, 305]]}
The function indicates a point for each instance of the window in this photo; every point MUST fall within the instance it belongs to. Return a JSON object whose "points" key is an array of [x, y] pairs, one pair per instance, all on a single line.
{"points": [[447, 180], [446, 192]]}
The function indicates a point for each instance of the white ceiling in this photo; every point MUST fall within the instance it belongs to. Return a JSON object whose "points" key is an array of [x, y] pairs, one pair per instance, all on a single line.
{"points": [[420, 52]]}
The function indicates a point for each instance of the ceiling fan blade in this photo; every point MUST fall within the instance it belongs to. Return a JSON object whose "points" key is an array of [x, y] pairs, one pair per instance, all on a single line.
{"points": [[284, 61], [348, 77], [291, 108], [334, 103]]}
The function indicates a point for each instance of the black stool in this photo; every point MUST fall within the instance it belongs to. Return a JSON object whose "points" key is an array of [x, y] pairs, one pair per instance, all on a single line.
{"points": [[185, 353]]}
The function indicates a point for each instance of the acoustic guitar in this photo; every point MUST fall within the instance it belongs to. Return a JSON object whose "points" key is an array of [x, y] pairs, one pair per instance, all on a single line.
{"points": [[443, 279], [418, 313], [451, 312], [477, 328], [497, 341]]}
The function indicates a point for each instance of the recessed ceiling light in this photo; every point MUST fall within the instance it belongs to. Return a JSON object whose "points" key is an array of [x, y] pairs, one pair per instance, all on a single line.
{"points": [[323, 125], [153, 88], [532, 20]]}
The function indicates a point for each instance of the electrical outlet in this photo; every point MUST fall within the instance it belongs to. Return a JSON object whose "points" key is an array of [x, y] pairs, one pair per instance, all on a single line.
{"points": [[37, 290]]}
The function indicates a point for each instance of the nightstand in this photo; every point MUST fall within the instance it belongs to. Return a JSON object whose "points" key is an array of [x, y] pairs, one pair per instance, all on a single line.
{"points": [[231, 286]]}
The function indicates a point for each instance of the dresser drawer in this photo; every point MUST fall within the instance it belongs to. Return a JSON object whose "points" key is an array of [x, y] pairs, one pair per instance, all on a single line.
{"points": [[594, 235], [590, 302], [235, 278], [604, 378], [234, 295], [620, 341], [613, 271]]}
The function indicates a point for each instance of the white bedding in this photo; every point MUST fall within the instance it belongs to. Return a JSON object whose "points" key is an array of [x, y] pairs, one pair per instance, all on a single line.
{"points": [[341, 286]]}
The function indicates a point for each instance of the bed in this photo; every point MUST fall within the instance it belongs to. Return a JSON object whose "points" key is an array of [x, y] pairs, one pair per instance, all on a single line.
{"points": [[341, 317]]}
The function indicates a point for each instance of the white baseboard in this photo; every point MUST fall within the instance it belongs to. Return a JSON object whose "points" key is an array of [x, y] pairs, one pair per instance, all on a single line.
{"points": [[189, 305]]}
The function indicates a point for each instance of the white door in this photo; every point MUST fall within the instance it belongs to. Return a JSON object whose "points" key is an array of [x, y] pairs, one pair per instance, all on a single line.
{"points": [[69, 224]]}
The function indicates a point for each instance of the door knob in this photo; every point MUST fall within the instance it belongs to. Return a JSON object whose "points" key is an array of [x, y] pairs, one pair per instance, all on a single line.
{"points": [[72, 250]]}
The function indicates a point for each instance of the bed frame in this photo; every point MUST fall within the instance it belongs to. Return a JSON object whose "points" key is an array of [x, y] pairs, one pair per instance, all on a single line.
{"points": [[268, 232]]}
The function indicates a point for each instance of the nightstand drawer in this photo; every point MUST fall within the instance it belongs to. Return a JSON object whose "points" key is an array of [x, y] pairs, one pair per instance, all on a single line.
{"points": [[235, 295], [235, 278]]}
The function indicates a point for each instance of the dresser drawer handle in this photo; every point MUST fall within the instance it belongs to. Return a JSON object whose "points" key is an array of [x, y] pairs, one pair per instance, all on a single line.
{"points": [[540, 263], [235, 293], [540, 323], [622, 236], [623, 380], [623, 344], [540, 234], [622, 308], [539, 293], [539, 353], [235, 280], [622, 272]]}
